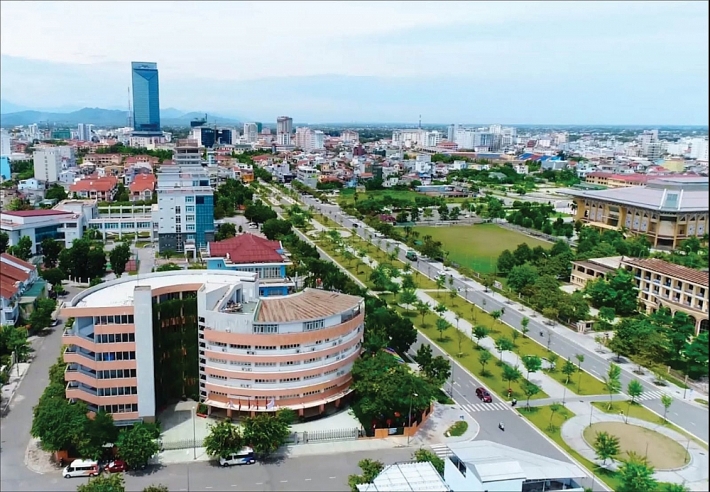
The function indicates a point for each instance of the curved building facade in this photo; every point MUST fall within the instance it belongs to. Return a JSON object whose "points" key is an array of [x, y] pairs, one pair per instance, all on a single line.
{"points": [[137, 344]]}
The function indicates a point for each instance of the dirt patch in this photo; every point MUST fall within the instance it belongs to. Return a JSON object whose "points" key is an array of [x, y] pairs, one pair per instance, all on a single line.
{"points": [[38, 460], [662, 452]]}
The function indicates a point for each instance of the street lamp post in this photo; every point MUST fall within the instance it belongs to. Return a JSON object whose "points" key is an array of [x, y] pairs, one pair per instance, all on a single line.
{"points": [[194, 439], [411, 400]]}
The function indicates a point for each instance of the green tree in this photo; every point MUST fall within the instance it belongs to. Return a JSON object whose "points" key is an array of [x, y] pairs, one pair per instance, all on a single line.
{"points": [[438, 371], [41, 316], [612, 381], [666, 401], [223, 439], [168, 267], [54, 276], [14, 339], [496, 315], [618, 291], [4, 241], [440, 282], [568, 369], [370, 470], [424, 355], [636, 475], [22, 250], [580, 361], [552, 359], [119, 257], [58, 423], [524, 326], [265, 433], [50, 251], [441, 325], [225, 231], [550, 313], [156, 488], [511, 375], [136, 445], [696, 356], [408, 298], [530, 390], [56, 192], [532, 363], [503, 344], [479, 333], [506, 262], [98, 431], [522, 277], [423, 309], [276, 228], [113, 482], [606, 446], [634, 389], [422, 455], [484, 358]]}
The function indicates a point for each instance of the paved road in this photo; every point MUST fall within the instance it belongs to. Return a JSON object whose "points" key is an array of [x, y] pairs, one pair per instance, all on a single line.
{"points": [[685, 415], [328, 472]]}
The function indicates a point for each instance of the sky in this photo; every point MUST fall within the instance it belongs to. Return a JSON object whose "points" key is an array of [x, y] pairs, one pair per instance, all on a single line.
{"points": [[640, 63]]}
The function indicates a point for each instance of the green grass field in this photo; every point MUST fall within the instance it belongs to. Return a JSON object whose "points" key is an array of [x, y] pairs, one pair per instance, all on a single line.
{"points": [[478, 246], [346, 196]]}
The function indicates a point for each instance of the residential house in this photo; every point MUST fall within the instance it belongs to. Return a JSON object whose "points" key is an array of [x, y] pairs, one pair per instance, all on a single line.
{"points": [[142, 187], [20, 287], [101, 189]]}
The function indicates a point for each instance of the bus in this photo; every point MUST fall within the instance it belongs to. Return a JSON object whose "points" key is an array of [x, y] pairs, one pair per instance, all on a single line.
{"points": [[245, 456]]}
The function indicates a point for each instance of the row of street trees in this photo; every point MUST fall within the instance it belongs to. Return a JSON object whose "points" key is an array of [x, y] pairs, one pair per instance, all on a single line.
{"points": [[264, 433], [64, 426]]}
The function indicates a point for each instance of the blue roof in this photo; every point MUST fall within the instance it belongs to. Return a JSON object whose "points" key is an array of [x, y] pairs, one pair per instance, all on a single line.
{"points": [[526, 156]]}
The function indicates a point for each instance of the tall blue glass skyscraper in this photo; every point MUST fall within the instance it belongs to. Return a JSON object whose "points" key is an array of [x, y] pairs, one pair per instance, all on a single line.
{"points": [[146, 98]]}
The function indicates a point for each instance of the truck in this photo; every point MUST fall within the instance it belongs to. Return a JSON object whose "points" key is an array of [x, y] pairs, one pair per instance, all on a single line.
{"points": [[411, 255]]}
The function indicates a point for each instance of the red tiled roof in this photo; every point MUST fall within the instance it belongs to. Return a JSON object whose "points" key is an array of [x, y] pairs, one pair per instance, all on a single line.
{"points": [[95, 184], [142, 182], [34, 213], [671, 269], [10, 275], [247, 248]]}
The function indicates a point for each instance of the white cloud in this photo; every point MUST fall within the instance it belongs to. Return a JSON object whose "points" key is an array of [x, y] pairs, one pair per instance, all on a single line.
{"points": [[250, 40]]}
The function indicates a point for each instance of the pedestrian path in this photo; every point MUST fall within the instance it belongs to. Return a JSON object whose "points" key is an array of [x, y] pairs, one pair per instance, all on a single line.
{"points": [[485, 407], [441, 450]]}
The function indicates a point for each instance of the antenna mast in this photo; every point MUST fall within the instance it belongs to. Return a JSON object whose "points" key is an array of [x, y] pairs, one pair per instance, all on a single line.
{"points": [[130, 110]]}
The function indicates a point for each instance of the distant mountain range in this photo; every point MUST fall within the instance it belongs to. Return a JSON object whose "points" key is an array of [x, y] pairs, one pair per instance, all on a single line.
{"points": [[102, 117]]}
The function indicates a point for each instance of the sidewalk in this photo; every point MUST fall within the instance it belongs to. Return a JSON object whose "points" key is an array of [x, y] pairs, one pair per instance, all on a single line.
{"points": [[17, 374], [554, 389], [298, 450], [433, 431], [694, 475]]}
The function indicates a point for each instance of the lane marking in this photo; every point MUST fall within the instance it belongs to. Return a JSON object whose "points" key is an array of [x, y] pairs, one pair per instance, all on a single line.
{"points": [[331, 477], [308, 480], [284, 481]]}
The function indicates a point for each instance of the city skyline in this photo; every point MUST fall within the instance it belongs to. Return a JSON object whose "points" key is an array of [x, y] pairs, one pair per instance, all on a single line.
{"points": [[528, 63]]}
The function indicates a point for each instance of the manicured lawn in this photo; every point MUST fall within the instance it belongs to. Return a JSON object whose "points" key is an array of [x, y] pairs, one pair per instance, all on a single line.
{"points": [[586, 385], [661, 451], [457, 429], [346, 197], [701, 401], [467, 356], [356, 267], [550, 424], [478, 246], [635, 410]]}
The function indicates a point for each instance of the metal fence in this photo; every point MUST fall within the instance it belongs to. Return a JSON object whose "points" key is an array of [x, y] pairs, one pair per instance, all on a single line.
{"points": [[305, 437]]}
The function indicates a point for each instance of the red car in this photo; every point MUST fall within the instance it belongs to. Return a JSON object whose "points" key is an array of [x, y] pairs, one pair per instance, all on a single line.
{"points": [[484, 395], [116, 466]]}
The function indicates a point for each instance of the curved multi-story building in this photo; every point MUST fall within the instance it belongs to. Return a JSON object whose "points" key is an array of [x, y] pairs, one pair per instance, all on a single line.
{"points": [[138, 343]]}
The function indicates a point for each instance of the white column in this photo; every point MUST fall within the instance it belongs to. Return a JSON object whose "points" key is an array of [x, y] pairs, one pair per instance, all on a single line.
{"points": [[145, 371]]}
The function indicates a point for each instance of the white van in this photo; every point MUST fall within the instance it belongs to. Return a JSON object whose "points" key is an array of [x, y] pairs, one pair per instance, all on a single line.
{"points": [[245, 456], [82, 468]]}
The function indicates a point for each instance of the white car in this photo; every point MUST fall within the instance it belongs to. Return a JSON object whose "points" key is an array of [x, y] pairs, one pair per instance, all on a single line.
{"points": [[252, 225]]}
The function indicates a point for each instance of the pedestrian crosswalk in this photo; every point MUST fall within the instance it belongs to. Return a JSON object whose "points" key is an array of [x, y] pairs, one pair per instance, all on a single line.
{"points": [[650, 395], [485, 407], [441, 450]]}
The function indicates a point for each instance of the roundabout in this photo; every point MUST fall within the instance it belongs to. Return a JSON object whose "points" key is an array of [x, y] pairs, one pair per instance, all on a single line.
{"points": [[675, 457], [662, 452]]}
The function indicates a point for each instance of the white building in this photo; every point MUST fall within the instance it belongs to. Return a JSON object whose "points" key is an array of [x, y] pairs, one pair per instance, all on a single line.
{"points": [[185, 201], [251, 132], [40, 224], [49, 162], [84, 132], [350, 137], [308, 176], [5, 146], [699, 149]]}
